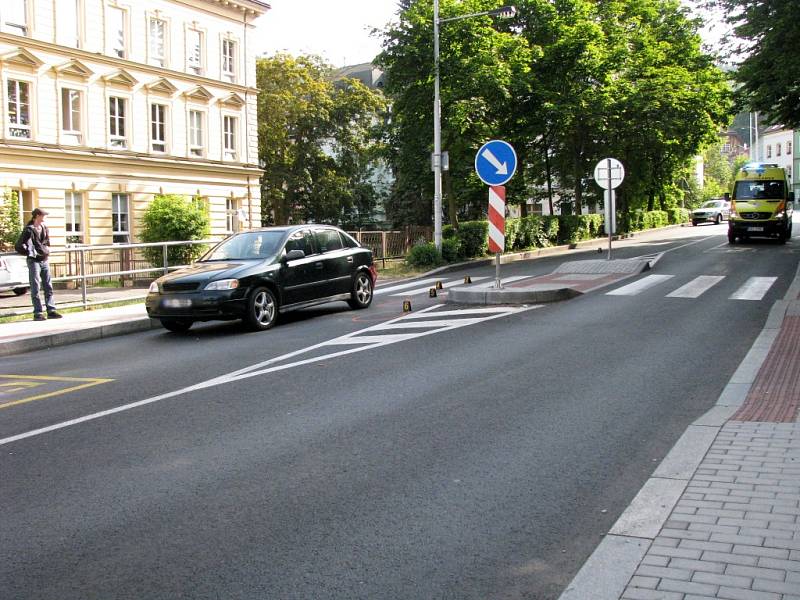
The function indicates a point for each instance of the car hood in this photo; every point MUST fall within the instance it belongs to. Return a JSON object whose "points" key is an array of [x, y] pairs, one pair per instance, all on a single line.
{"points": [[204, 271]]}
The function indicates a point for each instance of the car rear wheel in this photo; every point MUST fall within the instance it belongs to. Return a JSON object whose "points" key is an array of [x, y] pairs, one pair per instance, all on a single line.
{"points": [[20, 291], [176, 325], [718, 219], [361, 296], [262, 309]]}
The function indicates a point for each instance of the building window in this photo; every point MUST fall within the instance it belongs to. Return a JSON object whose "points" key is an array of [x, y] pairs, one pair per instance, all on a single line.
{"points": [[777, 149], [230, 214], [14, 16], [229, 61], [158, 42], [73, 217], [788, 147], [19, 109], [158, 127], [116, 122], [68, 22], [769, 151], [115, 28], [230, 129], [71, 114], [196, 134], [120, 219], [194, 51]]}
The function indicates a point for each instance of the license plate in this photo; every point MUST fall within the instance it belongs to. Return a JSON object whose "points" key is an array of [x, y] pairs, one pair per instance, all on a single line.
{"points": [[177, 303], [755, 229]]}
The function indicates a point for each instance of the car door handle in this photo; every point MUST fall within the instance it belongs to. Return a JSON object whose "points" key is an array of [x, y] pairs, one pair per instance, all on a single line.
{"points": [[349, 259], [318, 265]]}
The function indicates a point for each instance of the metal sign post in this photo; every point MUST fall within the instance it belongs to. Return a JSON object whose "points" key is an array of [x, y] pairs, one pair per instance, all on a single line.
{"points": [[609, 173]]}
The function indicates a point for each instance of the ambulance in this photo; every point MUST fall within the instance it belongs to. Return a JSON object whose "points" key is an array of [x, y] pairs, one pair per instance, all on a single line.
{"points": [[761, 203]]}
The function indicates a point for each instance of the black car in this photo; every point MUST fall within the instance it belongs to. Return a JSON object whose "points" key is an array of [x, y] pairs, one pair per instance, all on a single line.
{"points": [[256, 274]]}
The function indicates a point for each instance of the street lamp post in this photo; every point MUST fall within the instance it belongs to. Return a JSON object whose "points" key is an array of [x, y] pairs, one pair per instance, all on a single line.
{"points": [[504, 12]]}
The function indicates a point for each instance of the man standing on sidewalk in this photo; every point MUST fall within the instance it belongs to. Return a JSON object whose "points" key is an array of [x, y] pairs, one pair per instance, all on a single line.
{"points": [[36, 240]]}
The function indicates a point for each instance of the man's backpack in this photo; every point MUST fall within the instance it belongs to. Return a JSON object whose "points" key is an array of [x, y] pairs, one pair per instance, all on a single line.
{"points": [[20, 246]]}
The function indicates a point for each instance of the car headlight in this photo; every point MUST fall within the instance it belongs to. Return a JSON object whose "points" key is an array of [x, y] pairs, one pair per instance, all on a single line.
{"points": [[223, 284], [153, 289]]}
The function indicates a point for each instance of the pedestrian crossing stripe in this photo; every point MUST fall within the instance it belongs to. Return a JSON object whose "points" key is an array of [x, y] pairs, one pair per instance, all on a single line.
{"points": [[755, 288]]}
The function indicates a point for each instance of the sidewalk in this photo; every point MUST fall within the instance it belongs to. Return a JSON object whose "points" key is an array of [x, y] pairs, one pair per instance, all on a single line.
{"points": [[720, 516]]}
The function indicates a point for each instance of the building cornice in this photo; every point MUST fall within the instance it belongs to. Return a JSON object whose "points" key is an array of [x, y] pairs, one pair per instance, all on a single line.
{"points": [[255, 7], [84, 56], [134, 159]]}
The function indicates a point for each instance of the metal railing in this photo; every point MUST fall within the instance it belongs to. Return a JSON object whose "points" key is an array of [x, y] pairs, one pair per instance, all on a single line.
{"points": [[77, 268], [81, 263]]}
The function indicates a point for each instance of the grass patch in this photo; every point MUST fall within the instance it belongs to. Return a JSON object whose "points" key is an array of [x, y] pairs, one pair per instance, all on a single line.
{"points": [[74, 309], [398, 269]]}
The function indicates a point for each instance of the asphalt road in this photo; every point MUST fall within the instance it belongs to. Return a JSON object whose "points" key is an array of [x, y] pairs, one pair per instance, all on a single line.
{"points": [[478, 461]]}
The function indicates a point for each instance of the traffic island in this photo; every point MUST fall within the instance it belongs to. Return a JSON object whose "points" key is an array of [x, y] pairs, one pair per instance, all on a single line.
{"points": [[531, 294]]}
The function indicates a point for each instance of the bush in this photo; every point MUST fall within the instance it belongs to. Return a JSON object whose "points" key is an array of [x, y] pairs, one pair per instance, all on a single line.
{"points": [[474, 238], [576, 228], [10, 225], [679, 215], [424, 255], [642, 219], [174, 218], [451, 249]]}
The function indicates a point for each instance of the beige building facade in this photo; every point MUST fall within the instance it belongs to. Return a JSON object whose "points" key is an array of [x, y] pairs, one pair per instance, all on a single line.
{"points": [[106, 103]]}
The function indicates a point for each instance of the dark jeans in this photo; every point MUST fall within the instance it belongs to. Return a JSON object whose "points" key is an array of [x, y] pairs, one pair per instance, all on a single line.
{"points": [[39, 277]]}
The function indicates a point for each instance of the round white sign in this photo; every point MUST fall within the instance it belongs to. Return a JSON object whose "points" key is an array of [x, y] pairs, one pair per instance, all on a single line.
{"points": [[609, 173]]}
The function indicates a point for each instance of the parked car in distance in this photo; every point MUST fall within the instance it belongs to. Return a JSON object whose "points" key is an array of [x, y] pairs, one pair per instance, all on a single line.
{"points": [[255, 275], [13, 273], [714, 211]]}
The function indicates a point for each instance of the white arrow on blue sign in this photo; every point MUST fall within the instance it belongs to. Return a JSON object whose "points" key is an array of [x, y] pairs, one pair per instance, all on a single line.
{"points": [[496, 162]]}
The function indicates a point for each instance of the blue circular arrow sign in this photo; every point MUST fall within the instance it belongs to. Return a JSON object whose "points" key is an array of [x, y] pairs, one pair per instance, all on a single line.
{"points": [[496, 162]]}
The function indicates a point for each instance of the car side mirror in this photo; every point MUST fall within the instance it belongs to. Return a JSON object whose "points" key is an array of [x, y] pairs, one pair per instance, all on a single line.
{"points": [[293, 255]]}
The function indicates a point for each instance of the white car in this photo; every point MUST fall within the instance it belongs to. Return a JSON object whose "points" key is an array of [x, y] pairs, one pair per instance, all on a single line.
{"points": [[13, 273], [713, 211]]}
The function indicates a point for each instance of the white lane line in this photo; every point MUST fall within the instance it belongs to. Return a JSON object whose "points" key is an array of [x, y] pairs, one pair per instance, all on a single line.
{"points": [[754, 289], [248, 373], [416, 324], [463, 311], [402, 286], [505, 280], [696, 287], [632, 289], [424, 290]]}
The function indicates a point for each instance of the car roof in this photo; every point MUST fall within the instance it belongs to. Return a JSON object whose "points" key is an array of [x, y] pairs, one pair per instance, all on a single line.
{"points": [[286, 228]]}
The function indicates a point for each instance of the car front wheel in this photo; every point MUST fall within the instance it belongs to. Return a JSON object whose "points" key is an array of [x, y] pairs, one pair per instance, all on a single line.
{"points": [[718, 220], [176, 325], [20, 291], [262, 309], [361, 296]]}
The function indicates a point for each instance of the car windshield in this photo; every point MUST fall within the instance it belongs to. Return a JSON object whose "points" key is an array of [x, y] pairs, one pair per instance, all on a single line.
{"points": [[249, 245], [761, 189], [712, 204]]}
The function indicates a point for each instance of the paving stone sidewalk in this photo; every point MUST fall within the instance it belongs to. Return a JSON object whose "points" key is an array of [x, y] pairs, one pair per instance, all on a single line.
{"points": [[735, 532]]}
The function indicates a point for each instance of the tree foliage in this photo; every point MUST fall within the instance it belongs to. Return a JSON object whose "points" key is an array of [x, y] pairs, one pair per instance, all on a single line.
{"points": [[768, 38], [10, 225], [318, 142], [567, 82], [171, 217]]}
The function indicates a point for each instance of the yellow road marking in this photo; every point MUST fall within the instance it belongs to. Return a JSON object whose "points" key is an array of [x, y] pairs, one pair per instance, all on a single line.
{"points": [[28, 381]]}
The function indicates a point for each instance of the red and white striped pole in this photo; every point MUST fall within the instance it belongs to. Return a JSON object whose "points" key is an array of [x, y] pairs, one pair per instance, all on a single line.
{"points": [[497, 226]]}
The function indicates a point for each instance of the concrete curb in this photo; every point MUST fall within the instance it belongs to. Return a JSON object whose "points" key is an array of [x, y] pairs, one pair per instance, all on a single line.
{"points": [[42, 342], [608, 570], [529, 295]]}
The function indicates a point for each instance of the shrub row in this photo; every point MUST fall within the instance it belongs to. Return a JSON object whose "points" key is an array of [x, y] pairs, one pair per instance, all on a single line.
{"points": [[471, 239]]}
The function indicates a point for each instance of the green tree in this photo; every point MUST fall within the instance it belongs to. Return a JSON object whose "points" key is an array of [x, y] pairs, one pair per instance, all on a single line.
{"points": [[174, 218], [318, 142], [768, 36], [10, 225], [482, 71]]}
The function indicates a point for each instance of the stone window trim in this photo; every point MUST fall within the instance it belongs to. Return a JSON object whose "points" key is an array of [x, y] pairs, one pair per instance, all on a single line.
{"points": [[159, 119], [70, 131], [112, 49], [197, 65], [117, 140], [229, 73], [196, 131], [152, 60], [231, 142], [75, 217], [25, 110], [79, 6]]}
